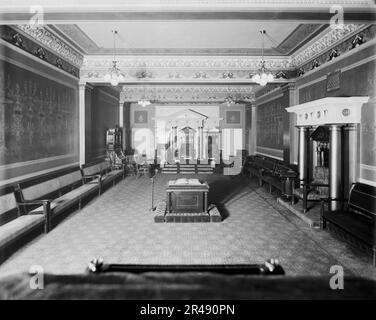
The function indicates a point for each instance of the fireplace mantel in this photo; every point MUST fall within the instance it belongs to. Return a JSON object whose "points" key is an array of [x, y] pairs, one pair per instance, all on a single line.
{"points": [[331, 110]]}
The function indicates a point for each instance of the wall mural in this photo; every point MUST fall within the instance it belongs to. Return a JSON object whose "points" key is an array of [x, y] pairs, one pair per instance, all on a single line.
{"points": [[38, 116], [270, 124]]}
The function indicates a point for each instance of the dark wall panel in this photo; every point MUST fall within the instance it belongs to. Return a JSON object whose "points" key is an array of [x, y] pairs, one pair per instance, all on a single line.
{"points": [[104, 115], [270, 122], [39, 116]]}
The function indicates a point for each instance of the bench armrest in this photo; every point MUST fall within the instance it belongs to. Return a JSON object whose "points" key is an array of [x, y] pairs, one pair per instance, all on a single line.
{"points": [[99, 176], [318, 184], [33, 202], [46, 211]]}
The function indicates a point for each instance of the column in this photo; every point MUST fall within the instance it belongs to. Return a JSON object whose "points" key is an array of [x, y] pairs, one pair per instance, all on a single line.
{"points": [[253, 137], [81, 117], [303, 154], [351, 156], [199, 143], [312, 153], [121, 114], [335, 168], [175, 141]]}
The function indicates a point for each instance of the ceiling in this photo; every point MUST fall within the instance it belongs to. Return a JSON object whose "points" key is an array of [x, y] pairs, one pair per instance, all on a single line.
{"points": [[186, 34], [181, 37]]}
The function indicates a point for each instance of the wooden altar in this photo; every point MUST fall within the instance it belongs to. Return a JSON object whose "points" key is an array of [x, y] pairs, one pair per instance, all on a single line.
{"points": [[187, 201], [187, 195]]}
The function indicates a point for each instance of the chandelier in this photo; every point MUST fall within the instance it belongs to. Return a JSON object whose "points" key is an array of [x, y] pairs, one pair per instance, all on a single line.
{"points": [[114, 75], [263, 76], [229, 100], [143, 101]]}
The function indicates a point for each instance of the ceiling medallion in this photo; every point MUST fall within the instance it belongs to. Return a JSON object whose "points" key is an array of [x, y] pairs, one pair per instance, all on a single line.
{"points": [[114, 75]]}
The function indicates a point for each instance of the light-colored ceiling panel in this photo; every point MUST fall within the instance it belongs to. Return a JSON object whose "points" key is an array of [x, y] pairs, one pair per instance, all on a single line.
{"points": [[186, 34]]}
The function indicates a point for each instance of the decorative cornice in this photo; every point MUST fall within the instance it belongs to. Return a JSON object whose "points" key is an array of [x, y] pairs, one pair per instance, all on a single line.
{"points": [[324, 42], [182, 69], [179, 62], [203, 4], [187, 93], [51, 42], [17, 39]]}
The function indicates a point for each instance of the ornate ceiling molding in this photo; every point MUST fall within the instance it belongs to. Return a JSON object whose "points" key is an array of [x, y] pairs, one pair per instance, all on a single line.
{"points": [[196, 4], [331, 38], [51, 42], [187, 93], [181, 69]]}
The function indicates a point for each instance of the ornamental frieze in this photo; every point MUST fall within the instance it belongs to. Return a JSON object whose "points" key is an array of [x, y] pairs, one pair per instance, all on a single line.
{"points": [[192, 93], [223, 63], [42, 35], [331, 38]]}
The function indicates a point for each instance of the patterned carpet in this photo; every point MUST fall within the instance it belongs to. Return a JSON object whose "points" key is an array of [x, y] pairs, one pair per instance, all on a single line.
{"points": [[119, 227]]}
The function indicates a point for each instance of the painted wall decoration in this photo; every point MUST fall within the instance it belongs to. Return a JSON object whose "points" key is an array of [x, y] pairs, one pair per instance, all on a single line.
{"points": [[233, 117], [140, 117], [38, 116], [270, 123]]}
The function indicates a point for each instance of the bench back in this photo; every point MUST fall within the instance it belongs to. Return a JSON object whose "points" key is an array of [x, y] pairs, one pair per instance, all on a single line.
{"points": [[362, 199], [282, 170], [267, 164], [105, 166], [96, 168], [70, 178], [93, 169], [39, 190], [7, 202]]}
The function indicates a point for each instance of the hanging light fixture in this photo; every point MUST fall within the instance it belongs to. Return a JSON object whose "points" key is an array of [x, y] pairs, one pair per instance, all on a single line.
{"points": [[114, 75], [263, 76], [229, 100], [143, 101]]}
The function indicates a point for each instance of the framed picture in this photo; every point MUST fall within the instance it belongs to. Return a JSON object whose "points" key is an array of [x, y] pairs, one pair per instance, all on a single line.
{"points": [[140, 117], [233, 117]]}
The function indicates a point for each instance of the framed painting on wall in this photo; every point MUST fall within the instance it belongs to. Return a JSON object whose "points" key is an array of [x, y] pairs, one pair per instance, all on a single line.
{"points": [[233, 117], [140, 117]]}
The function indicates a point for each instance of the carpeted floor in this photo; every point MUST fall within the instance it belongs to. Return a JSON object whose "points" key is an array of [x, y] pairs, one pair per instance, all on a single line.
{"points": [[119, 227]]}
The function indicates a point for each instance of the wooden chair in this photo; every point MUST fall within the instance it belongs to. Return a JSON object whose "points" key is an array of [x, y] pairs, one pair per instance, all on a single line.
{"points": [[316, 190]]}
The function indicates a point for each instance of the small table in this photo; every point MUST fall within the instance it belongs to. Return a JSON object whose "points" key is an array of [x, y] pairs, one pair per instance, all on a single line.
{"points": [[187, 195]]}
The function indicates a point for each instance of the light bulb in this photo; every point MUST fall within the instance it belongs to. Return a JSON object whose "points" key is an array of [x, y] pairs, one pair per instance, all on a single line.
{"points": [[114, 81]]}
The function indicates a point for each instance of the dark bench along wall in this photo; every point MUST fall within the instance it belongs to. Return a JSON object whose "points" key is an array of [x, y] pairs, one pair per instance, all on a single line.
{"points": [[358, 218], [35, 205]]}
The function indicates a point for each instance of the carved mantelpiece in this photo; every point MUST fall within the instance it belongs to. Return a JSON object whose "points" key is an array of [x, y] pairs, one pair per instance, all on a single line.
{"points": [[332, 110]]}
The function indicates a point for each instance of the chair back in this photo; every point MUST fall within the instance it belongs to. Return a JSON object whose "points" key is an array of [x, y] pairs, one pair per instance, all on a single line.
{"points": [[362, 199]]}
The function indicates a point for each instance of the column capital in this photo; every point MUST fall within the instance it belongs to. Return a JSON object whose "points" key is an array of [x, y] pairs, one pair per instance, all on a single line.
{"points": [[85, 85]]}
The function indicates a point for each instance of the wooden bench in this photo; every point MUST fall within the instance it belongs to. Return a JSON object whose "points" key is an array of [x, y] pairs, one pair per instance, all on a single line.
{"points": [[51, 197], [358, 219], [259, 166], [271, 171], [281, 178], [15, 229], [102, 173]]}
